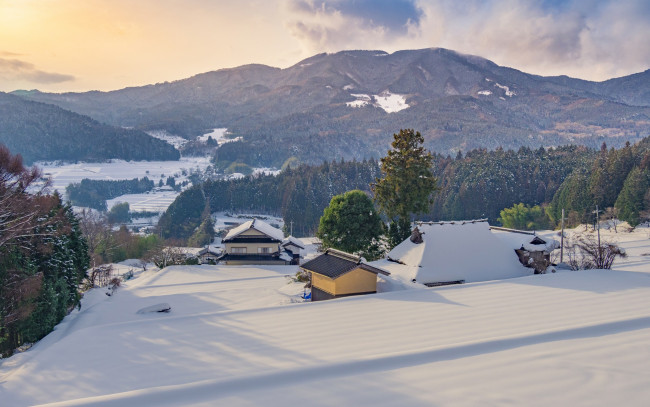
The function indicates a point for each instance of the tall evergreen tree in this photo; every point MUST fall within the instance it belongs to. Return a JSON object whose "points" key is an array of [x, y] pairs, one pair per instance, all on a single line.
{"points": [[407, 184], [630, 202]]}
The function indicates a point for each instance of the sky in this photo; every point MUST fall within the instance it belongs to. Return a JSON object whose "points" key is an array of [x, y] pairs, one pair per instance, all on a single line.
{"points": [[81, 45]]}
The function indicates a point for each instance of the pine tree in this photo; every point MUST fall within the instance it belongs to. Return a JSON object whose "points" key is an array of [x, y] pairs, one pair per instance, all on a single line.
{"points": [[630, 202], [407, 185]]}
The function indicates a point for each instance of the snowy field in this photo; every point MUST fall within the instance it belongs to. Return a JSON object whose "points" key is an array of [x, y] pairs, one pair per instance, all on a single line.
{"points": [[235, 336], [218, 135], [389, 102], [63, 175], [154, 201]]}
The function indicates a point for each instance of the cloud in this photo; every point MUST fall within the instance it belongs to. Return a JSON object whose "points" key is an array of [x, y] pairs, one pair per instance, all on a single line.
{"points": [[9, 54], [340, 24], [17, 70], [592, 39]]}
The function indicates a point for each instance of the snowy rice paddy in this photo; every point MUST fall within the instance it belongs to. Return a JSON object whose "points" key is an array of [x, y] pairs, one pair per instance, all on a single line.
{"points": [[154, 201], [64, 174], [236, 337]]}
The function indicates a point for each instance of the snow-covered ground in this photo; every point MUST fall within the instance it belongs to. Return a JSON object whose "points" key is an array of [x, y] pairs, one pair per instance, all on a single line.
{"points": [[218, 135], [389, 102], [153, 201], [236, 337], [63, 175], [172, 139]]}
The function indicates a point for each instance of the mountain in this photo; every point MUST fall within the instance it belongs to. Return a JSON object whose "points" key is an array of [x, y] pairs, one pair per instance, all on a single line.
{"points": [[349, 104], [40, 131]]}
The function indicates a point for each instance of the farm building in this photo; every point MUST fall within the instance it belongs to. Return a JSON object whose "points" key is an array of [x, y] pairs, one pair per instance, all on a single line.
{"points": [[208, 255], [533, 251], [440, 253], [337, 274]]}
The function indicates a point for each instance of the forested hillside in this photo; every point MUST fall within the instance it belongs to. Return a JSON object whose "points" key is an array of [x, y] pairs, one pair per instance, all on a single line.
{"points": [[618, 181], [347, 104], [477, 185], [42, 132]]}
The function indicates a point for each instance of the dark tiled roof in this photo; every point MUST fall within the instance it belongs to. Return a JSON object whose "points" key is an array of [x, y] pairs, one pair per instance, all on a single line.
{"points": [[537, 241], [255, 239], [334, 263], [251, 257]]}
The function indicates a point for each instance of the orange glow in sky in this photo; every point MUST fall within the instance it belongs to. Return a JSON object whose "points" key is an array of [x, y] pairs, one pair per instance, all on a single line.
{"points": [[78, 45]]}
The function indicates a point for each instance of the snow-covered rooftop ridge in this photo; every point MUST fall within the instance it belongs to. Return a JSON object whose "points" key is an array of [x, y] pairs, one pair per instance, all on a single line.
{"points": [[258, 225], [294, 241], [455, 251], [527, 240], [452, 222]]}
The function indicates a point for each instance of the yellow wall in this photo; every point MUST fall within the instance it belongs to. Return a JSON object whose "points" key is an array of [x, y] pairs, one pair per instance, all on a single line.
{"points": [[355, 281], [323, 282]]}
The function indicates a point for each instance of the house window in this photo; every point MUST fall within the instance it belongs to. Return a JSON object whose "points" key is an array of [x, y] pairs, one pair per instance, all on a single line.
{"points": [[264, 250], [238, 250]]}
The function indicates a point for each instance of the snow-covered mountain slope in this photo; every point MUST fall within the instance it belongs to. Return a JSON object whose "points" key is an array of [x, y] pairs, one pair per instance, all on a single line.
{"points": [[233, 338]]}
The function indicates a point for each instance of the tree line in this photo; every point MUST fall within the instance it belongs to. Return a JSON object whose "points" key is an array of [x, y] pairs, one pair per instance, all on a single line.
{"points": [[43, 255], [94, 193], [479, 184]]}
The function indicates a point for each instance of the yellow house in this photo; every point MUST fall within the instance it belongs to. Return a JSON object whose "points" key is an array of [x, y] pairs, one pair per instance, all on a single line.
{"points": [[337, 274], [254, 242]]}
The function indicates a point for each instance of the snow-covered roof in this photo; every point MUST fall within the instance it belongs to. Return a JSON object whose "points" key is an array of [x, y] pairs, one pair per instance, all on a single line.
{"points": [[454, 251], [258, 225], [294, 241], [208, 250], [518, 239]]}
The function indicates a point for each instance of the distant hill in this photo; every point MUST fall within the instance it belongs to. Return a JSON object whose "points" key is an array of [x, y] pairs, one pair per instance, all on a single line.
{"points": [[348, 105], [40, 131]]}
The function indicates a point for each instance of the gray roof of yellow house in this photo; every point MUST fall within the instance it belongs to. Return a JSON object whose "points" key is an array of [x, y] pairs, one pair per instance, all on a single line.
{"points": [[334, 263]]}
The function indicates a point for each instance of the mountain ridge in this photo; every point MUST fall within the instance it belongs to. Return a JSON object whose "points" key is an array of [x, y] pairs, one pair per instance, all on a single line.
{"points": [[457, 101]]}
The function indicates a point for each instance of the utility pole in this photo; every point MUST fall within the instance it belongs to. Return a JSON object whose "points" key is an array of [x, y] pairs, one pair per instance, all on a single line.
{"points": [[600, 251], [291, 232], [562, 240]]}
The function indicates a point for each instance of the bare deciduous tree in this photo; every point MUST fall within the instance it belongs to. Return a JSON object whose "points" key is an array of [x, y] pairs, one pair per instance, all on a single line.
{"points": [[583, 252], [23, 206], [167, 256]]}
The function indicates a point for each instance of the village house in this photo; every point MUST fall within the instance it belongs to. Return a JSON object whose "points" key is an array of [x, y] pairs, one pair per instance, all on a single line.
{"points": [[254, 242], [441, 253], [337, 274], [293, 246]]}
